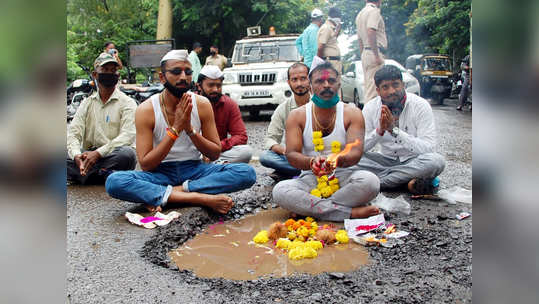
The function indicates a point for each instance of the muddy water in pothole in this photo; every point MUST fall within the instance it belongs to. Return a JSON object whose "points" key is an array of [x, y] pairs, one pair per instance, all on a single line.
{"points": [[223, 251]]}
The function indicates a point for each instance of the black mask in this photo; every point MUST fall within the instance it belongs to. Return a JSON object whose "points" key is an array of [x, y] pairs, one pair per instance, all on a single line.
{"points": [[177, 92], [212, 53], [108, 80]]}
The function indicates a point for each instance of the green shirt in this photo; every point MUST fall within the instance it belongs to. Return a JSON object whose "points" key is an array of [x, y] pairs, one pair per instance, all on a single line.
{"points": [[102, 126], [195, 64]]}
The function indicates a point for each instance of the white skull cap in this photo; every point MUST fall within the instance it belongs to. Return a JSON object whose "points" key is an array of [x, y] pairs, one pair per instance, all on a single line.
{"points": [[175, 55], [211, 71], [316, 62], [316, 13]]}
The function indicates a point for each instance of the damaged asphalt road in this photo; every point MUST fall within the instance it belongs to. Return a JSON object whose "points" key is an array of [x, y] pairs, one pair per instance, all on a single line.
{"points": [[110, 260]]}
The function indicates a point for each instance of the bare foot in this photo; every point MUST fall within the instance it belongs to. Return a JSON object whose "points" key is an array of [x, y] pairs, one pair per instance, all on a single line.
{"points": [[152, 208], [411, 186], [364, 212], [220, 203]]}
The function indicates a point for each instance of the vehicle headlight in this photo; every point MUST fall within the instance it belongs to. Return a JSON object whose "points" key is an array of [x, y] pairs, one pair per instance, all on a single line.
{"points": [[230, 78]]}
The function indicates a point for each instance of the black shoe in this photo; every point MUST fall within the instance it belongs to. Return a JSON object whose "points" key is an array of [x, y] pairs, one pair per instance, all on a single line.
{"points": [[277, 177]]}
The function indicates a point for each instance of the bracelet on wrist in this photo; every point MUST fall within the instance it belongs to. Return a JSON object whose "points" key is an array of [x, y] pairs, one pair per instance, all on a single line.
{"points": [[171, 134], [174, 131]]}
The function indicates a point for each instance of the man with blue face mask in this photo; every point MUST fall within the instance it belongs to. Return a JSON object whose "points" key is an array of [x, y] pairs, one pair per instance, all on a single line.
{"points": [[313, 132]]}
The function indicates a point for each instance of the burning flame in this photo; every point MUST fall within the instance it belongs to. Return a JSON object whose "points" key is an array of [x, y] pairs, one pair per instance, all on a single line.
{"points": [[332, 158]]}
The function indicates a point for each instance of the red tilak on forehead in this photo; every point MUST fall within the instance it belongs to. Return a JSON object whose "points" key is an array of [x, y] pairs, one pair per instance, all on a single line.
{"points": [[325, 75]]}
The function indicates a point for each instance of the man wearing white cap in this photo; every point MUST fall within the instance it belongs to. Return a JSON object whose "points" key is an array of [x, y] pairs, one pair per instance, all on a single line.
{"points": [[307, 42], [234, 149], [174, 129]]}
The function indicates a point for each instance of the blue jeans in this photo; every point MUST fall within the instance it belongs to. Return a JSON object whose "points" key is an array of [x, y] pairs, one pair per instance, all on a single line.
{"points": [[278, 162], [154, 187]]}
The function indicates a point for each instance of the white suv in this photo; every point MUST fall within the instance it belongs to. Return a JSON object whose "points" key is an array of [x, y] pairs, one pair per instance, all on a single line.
{"points": [[257, 78]]}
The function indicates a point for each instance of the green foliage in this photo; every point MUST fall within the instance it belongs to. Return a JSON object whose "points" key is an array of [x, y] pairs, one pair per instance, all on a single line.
{"points": [[416, 26], [445, 24], [221, 23], [91, 23]]}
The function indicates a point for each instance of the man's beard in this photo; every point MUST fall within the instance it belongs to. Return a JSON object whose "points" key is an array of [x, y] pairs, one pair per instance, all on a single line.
{"points": [[300, 93], [213, 98], [174, 90], [396, 105]]}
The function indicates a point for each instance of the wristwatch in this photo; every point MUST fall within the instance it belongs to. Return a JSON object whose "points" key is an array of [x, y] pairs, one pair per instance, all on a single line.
{"points": [[190, 133], [394, 132]]}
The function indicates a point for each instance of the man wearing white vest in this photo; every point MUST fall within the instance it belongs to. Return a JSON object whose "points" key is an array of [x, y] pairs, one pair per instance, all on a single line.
{"points": [[173, 129]]}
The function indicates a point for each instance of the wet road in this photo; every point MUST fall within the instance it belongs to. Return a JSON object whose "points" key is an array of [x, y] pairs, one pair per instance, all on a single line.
{"points": [[107, 263]]}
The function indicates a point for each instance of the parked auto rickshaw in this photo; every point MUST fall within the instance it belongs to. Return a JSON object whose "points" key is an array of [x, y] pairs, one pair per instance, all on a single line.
{"points": [[434, 74]]}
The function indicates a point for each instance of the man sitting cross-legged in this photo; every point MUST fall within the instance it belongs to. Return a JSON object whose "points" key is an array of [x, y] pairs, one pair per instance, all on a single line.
{"points": [[173, 129], [332, 122]]}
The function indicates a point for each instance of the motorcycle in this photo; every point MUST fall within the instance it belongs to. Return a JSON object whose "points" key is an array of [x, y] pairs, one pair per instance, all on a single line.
{"points": [[77, 91], [141, 93]]}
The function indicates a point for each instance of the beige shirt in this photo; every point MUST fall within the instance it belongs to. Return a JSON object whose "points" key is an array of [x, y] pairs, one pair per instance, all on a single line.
{"points": [[327, 36], [219, 60], [102, 126], [277, 125], [370, 17]]}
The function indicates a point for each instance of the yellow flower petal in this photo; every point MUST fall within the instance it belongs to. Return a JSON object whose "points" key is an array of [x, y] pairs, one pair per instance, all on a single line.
{"points": [[342, 236], [261, 237]]}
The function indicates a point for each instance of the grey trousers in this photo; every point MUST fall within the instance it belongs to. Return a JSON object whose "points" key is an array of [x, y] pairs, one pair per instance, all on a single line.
{"points": [[237, 154], [394, 173], [357, 188], [121, 158]]}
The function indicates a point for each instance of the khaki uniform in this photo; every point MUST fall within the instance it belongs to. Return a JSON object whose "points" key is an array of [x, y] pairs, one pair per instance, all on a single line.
{"points": [[327, 36], [370, 17], [219, 60]]}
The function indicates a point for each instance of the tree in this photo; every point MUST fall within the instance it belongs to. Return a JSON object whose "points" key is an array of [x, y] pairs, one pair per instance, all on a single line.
{"points": [[91, 23], [440, 26]]}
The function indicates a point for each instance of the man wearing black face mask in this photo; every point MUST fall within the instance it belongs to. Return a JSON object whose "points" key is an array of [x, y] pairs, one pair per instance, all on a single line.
{"points": [[215, 58], [234, 149], [403, 124], [101, 135]]}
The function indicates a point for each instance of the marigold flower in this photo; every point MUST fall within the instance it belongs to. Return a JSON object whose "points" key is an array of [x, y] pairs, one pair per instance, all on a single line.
{"points": [[342, 236], [317, 134], [318, 141], [300, 238], [316, 192], [283, 243], [307, 225], [309, 219], [289, 222], [312, 232], [319, 148], [314, 244], [334, 188], [261, 237], [334, 181], [335, 146], [323, 178], [296, 225], [303, 231], [326, 192], [291, 235], [321, 185], [314, 226]]}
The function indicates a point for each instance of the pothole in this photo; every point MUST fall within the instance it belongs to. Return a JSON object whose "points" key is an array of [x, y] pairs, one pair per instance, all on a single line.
{"points": [[225, 250]]}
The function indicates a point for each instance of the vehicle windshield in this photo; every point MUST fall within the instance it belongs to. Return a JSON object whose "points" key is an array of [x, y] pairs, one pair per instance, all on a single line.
{"points": [[264, 51], [436, 64]]}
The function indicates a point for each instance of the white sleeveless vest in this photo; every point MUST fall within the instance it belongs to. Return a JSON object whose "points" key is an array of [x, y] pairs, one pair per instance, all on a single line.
{"points": [[183, 148], [338, 133]]}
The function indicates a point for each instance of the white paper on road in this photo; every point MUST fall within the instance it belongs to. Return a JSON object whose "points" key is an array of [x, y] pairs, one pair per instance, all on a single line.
{"points": [[366, 224], [136, 219]]}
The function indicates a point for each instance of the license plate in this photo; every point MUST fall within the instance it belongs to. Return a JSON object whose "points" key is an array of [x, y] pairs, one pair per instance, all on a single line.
{"points": [[257, 93]]}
